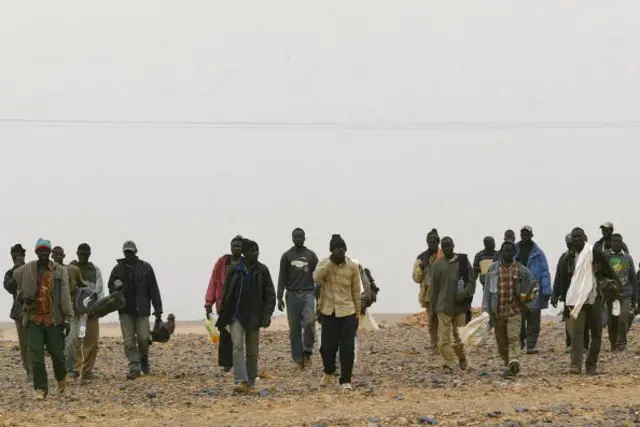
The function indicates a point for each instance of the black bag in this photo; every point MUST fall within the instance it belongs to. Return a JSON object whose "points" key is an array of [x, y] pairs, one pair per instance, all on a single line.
{"points": [[160, 332], [85, 300], [108, 305]]}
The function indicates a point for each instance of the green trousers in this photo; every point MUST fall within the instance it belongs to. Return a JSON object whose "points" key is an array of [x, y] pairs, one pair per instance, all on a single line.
{"points": [[39, 337]]}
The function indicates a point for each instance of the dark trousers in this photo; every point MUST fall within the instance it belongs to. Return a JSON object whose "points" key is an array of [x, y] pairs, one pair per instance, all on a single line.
{"points": [[225, 349], [338, 333], [589, 319], [530, 328], [567, 329], [40, 337], [618, 326]]}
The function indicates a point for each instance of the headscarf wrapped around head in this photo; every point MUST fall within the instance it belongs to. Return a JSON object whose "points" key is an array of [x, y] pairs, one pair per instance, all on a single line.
{"points": [[43, 244], [433, 233], [337, 242], [18, 250]]}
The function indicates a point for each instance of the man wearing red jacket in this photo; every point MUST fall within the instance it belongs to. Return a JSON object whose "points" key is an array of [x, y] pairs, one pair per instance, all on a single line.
{"points": [[214, 296]]}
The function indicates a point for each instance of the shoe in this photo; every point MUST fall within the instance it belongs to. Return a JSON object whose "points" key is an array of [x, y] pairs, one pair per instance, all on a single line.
{"points": [[575, 370], [532, 351], [144, 365], [592, 371], [346, 387], [132, 375], [242, 388], [514, 368], [463, 364], [40, 395], [62, 386], [327, 380], [299, 365], [307, 360]]}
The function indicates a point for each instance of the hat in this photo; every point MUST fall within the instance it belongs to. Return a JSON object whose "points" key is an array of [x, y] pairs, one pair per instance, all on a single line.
{"points": [[527, 227], [129, 245], [607, 225], [43, 243], [337, 242], [17, 249], [568, 238]]}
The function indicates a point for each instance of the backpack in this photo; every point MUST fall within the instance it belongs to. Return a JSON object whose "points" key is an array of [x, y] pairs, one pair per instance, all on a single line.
{"points": [[86, 298]]}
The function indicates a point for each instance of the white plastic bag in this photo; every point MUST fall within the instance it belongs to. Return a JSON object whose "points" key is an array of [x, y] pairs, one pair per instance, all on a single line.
{"points": [[475, 332]]}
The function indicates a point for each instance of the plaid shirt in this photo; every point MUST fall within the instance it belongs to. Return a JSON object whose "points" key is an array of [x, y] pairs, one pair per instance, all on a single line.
{"points": [[44, 312], [507, 298]]}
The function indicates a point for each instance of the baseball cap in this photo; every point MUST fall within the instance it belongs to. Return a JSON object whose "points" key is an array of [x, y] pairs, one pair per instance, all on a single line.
{"points": [[129, 245], [528, 228], [607, 225]]}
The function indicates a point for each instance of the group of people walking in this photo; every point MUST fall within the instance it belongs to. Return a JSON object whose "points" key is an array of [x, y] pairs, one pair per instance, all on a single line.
{"points": [[48, 300], [597, 284]]}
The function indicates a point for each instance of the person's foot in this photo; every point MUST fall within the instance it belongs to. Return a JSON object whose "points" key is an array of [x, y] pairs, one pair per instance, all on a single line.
{"points": [[132, 375], [242, 388], [73, 375], [299, 365], [532, 351], [592, 370], [226, 369], [62, 386], [144, 365], [327, 380], [575, 370], [40, 395], [346, 387], [463, 364], [514, 368]]}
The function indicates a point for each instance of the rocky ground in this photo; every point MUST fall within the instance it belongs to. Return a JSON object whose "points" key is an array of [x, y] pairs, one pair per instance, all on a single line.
{"points": [[397, 382]]}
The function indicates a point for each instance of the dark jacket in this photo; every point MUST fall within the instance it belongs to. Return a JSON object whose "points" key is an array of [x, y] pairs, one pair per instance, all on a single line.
{"points": [[11, 286], [445, 297], [144, 279], [624, 265], [260, 299], [605, 247]]}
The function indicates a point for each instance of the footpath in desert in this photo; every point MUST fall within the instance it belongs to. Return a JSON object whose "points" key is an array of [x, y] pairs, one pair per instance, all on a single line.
{"points": [[397, 382]]}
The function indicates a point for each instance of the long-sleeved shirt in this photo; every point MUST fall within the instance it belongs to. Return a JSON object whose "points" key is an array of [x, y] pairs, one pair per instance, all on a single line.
{"points": [[481, 263], [622, 263], [445, 297], [339, 288], [296, 270]]}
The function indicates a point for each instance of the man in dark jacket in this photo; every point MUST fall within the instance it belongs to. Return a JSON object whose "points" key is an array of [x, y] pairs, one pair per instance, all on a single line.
{"points": [[140, 289], [604, 244], [17, 256], [453, 285], [248, 302], [622, 263], [296, 276]]}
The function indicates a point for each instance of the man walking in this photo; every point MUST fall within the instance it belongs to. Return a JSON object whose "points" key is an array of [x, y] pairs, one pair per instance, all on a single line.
{"points": [[339, 304], [17, 256], [510, 286], [423, 275], [248, 302], [296, 276], [453, 285], [214, 296], [140, 289], [590, 276], [623, 265], [509, 236], [484, 259], [87, 349], [43, 290], [604, 244], [529, 254]]}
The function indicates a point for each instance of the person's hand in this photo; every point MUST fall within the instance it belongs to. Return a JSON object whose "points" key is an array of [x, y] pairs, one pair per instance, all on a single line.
{"points": [[554, 302], [357, 322], [337, 256], [546, 298], [280, 305], [208, 310], [158, 316], [66, 327], [266, 321]]}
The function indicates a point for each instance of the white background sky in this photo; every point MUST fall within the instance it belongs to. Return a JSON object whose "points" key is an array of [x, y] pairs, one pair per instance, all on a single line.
{"points": [[182, 193]]}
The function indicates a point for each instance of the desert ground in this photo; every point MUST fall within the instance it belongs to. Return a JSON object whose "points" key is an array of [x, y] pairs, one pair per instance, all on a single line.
{"points": [[397, 382]]}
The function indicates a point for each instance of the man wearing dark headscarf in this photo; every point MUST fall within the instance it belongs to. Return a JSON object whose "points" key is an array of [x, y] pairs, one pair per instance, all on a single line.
{"points": [[214, 296], [339, 303], [422, 274], [248, 302], [17, 256]]}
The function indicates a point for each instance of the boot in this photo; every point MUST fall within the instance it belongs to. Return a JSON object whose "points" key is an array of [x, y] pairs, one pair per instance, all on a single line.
{"points": [[459, 350]]}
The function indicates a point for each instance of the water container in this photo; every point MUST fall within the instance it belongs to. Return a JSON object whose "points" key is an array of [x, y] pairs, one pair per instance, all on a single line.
{"points": [[615, 308], [460, 286], [82, 331]]}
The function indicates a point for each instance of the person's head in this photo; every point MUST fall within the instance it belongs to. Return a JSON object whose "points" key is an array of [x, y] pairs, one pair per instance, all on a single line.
{"points": [[448, 247], [236, 246], [338, 247], [58, 255], [83, 253], [568, 241], [508, 250], [526, 233], [130, 250], [616, 242], [578, 239], [298, 237], [509, 236], [17, 254], [250, 250], [433, 240], [43, 251], [607, 230], [489, 243]]}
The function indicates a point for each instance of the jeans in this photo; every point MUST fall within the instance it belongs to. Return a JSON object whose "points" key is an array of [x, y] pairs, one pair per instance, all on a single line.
{"points": [[339, 334], [40, 336], [530, 328], [70, 344], [225, 349], [136, 334], [21, 329], [246, 345], [590, 316], [301, 314]]}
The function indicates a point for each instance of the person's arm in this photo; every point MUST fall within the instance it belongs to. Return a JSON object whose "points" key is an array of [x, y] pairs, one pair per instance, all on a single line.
{"points": [[154, 293], [210, 296], [545, 277], [486, 293], [435, 287], [418, 271], [313, 262], [557, 281], [99, 283], [366, 285], [283, 274], [65, 295], [321, 270], [470, 288], [355, 288], [476, 264], [112, 278], [632, 281], [268, 294], [9, 283]]}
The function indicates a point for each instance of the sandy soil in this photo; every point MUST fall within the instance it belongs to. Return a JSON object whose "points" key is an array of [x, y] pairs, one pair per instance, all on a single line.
{"points": [[397, 382]]}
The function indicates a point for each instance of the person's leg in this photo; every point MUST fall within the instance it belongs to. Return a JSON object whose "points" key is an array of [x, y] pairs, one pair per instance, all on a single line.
{"points": [[348, 328], [308, 325], [595, 319], [612, 325], [91, 345], [623, 323], [35, 343], [523, 329], [252, 341], [565, 317], [500, 329], [432, 319], [330, 343], [512, 330], [22, 342], [294, 316], [128, 328], [143, 334], [534, 319], [225, 350], [55, 342], [445, 332], [70, 345], [239, 356], [587, 333], [459, 321], [577, 328]]}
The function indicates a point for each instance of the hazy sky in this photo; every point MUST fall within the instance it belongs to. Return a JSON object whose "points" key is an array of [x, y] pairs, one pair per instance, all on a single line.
{"points": [[183, 192]]}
